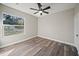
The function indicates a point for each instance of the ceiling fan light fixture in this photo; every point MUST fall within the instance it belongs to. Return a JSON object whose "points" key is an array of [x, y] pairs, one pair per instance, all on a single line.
{"points": [[40, 11]]}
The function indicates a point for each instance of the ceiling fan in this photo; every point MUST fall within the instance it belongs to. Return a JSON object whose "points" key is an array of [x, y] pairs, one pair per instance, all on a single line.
{"points": [[40, 10]]}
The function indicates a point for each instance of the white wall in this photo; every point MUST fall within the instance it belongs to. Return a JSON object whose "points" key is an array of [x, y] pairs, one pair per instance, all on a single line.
{"points": [[30, 26], [58, 26], [76, 27]]}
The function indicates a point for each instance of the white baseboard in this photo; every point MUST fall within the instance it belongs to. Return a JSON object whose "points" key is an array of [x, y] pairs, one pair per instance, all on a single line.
{"points": [[56, 40], [16, 42]]}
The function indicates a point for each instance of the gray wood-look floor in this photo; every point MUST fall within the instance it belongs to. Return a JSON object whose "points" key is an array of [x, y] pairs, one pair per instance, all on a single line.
{"points": [[40, 47]]}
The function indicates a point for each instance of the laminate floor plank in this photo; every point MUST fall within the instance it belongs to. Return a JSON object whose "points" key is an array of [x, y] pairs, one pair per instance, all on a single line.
{"points": [[39, 47]]}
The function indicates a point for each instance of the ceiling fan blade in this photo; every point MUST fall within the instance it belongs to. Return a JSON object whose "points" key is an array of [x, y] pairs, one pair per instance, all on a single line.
{"points": [[46, 8], [35, 12], [46, 12], [39, 5], [34, 9]]}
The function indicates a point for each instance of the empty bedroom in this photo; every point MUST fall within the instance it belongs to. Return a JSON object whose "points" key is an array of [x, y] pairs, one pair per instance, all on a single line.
{"points": [[39, 29]]}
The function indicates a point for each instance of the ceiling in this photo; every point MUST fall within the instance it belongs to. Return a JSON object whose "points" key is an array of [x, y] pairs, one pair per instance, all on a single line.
{"points": [[55, 7]]}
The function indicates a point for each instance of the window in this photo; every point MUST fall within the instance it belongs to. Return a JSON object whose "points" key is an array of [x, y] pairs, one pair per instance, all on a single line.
{"points": [[12, 24]]}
